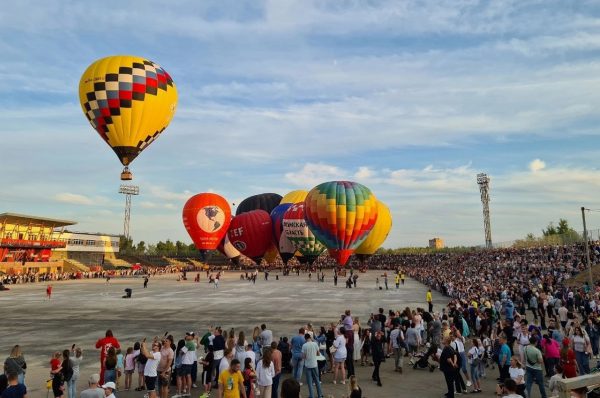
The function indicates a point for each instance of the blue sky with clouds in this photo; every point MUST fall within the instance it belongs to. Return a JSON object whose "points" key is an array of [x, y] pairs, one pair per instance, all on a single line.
{"points": [[411, 98]]}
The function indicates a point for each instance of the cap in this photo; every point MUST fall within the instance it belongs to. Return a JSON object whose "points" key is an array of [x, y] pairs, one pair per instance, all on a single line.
{"points": [[190, 334], [110, 385], [94, 378]]}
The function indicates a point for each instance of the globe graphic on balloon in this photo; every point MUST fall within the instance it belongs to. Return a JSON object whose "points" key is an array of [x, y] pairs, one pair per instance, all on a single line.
{"points": [[211, 218]]}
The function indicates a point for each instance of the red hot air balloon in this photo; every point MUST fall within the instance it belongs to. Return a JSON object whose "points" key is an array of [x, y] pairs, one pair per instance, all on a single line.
{"points": [[206, 217], [251, 234]]}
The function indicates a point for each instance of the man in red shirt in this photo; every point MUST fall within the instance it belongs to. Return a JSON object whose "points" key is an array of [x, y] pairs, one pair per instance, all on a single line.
{"points": [[104, 344]]}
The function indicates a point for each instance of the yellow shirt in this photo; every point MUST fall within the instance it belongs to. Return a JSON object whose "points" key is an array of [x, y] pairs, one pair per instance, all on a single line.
{"points": [[429, 298], [231, 383]]}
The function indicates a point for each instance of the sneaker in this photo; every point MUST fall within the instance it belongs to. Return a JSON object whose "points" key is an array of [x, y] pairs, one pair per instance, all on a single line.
{"points": [[469, 384], [194, 386]]}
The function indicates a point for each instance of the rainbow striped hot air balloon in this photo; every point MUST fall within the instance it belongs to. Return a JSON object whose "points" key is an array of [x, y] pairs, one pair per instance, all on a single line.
{"points": [[340, 214]]}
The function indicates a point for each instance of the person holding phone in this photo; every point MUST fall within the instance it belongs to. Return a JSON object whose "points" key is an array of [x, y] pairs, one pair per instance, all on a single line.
{"points": [[151, 366]]}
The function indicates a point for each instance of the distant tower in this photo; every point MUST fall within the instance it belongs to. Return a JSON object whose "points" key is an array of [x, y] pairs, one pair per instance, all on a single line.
{"points": [[484, 187], [128, 190]]}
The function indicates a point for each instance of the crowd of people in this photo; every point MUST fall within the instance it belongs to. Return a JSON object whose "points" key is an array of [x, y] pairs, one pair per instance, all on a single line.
{"points": [[509, 309]]}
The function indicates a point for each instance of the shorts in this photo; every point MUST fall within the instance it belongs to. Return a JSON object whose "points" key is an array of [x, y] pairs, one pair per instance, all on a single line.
{"points": [[185, 370], [150, 383], [140, 367], [128, 371], [163, 381], [206, 377]]}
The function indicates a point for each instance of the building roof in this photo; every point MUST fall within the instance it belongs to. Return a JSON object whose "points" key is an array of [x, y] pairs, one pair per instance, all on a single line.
{"points": [[23, 219]]}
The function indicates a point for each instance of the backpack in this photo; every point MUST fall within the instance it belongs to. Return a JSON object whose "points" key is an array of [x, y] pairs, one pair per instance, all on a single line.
{"points": [[400, 339]]}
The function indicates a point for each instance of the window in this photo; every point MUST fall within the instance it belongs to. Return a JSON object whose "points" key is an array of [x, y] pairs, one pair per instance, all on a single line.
{"points": [[90, 242], [8, 235]]}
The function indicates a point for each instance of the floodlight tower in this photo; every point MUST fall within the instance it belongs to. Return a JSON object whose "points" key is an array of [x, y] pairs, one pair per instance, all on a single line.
{"points": [[484, 188], [128, 191]]}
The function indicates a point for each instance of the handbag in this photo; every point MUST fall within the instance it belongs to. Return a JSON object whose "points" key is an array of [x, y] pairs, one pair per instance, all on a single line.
{"points": [[322, 347], [332, 349]]}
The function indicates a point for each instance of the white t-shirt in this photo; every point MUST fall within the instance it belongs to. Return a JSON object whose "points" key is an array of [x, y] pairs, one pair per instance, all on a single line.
{"points": [[264, 376], [252, 356], [189, 357], [515, 373], [152, 365], [224, 364], [475, 352], [458, 346]]}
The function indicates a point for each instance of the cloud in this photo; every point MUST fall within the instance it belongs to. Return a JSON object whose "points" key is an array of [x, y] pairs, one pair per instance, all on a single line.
{"points": [[312, 174], [364, 173], [75, 199], [537, 165], [161, 192]]}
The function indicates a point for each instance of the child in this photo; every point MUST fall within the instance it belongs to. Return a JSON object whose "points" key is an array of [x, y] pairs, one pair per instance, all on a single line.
{"points": [[129, 367], [55, 363], [207, 368], [249, 377], [119, 366]]}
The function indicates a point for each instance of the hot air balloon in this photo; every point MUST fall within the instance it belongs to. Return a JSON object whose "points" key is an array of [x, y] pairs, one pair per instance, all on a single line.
{"points": [[264, 201], [251, 234], [129, 101], [297, 232], [284, 246], [378, 234], [206, 217], [340, 214], [294, 197], [227, 249]]}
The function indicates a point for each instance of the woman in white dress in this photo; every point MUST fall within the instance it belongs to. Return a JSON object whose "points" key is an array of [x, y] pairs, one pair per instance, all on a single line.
{"points": [[357, 346]]}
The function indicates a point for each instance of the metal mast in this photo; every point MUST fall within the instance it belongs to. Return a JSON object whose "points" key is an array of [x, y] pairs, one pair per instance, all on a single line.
{"points": [[484, 187], [128, 191]]}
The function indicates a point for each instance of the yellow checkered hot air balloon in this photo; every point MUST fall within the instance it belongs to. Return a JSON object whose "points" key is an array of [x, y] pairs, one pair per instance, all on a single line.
{"points": [[129, 101]]}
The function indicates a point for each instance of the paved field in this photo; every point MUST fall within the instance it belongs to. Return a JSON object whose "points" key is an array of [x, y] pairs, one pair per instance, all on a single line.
{"points": [[81, 311]]}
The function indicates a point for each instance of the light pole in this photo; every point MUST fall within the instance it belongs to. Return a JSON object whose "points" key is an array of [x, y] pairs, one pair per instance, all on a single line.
{"points": [[484, 188], [128, 190], [587, 248]]}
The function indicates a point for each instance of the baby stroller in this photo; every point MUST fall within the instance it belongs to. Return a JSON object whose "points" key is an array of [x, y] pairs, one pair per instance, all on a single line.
{"points": [[425, 360]]}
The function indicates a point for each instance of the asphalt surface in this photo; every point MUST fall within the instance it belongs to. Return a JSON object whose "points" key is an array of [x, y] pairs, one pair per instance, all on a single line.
{"points": [[80, 312]]}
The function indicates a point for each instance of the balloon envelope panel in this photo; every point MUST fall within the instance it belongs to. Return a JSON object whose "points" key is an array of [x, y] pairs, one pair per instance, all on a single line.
{"points": [[206, 217], [129, 101]]}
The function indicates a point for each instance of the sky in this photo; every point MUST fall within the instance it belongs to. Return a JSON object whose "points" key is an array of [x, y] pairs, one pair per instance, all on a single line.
{"points": [[410, 98]]}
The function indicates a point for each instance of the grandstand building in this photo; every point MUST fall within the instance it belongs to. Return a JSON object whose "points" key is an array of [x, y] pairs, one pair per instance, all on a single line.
{"points": [[42, 245]]}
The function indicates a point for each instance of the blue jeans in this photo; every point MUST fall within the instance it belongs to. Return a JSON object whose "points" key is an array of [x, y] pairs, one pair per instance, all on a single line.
{"points": [[21, 377], [583, 361], [297, 365], [534, 376], [72, 388], [275, 388], [312, 374], [110, 375]]}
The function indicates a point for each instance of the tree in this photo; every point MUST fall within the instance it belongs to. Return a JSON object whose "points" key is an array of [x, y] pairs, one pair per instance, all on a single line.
{"points": [[125, 244], [140, 249]]}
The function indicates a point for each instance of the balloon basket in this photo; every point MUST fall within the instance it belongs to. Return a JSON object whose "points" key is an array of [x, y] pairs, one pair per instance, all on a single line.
{"points": [[126, 175]]}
